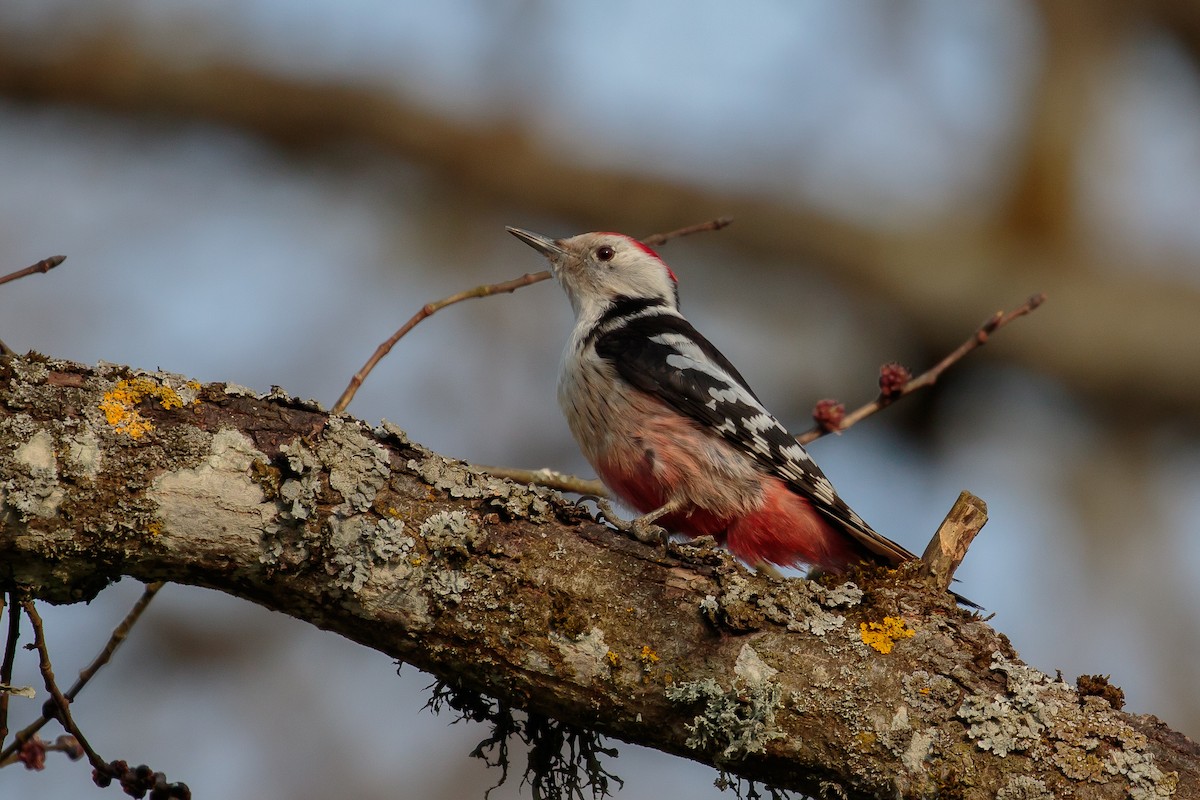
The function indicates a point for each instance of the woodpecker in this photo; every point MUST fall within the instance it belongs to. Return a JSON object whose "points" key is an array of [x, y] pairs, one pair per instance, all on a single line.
{"points": [[673, 429]]}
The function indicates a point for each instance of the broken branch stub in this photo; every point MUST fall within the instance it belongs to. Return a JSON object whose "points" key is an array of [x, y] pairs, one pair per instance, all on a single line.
{"points": [[949, 544]]}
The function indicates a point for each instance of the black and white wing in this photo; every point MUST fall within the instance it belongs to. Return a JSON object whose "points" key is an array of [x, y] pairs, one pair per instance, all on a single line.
{"points": [[663, 355]]}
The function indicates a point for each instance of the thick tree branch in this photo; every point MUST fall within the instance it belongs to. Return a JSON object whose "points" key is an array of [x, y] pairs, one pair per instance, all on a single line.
{"points": [[888, 691]]}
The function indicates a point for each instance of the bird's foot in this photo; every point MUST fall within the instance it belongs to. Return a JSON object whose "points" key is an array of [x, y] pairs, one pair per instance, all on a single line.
{"points": [[641, 528]]}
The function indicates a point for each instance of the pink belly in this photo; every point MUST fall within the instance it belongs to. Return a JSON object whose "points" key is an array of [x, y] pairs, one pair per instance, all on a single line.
{"points": [[782, 528]]}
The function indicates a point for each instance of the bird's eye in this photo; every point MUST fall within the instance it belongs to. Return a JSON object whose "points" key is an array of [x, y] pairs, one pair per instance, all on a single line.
{"points": [[605, 253]]}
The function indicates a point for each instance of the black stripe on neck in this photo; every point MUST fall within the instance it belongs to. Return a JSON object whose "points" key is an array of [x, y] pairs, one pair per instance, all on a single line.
{"points": [[621, 307]]}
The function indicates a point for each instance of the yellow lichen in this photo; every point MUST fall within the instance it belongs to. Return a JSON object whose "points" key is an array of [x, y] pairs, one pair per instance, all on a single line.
{"points": [[119, 405], [168, 398], [613, 658], [647, 656], [883, 635]]}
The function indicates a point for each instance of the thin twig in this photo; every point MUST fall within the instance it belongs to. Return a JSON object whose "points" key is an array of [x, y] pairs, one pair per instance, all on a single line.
{"points": [[6, 667], [548, 478], [428, 310], [930, 376], [487, 290], [45, 265], [114, 640], [61, 703], [656, 239]]}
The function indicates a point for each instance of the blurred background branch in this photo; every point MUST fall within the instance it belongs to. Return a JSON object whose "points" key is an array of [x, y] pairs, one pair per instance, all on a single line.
{"points": [[1032, 241]]}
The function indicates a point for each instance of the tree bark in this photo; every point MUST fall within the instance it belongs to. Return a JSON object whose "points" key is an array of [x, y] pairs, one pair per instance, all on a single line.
{"points": [[880, 689]]}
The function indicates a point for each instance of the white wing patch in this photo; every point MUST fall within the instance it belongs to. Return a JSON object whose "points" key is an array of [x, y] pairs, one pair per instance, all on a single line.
{"points": [[822, 489], [797, 465], [760, 422], [688, 355], [796, 453], [725, 395]]}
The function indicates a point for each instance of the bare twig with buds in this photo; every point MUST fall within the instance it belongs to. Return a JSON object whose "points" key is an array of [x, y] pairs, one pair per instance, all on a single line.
{"points": [[58, 705], [114, 640], [895, 381], [487, 290], [655, 239], [30, 749], [45, 265]]}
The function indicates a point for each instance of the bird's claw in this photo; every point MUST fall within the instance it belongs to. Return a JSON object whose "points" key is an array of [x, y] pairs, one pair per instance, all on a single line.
{"points": [[640, 528], [649, 533], [606, 512]]}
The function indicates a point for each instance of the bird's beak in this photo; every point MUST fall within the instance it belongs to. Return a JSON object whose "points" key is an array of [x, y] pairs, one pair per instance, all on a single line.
{"points": [[543, 244]]}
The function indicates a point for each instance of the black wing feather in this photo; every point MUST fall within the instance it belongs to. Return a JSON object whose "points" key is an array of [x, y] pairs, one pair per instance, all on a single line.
{"points": [[641, 351]]}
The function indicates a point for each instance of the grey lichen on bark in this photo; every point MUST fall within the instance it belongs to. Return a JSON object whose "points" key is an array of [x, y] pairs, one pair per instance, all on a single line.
{"points": [[879, 687]]}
